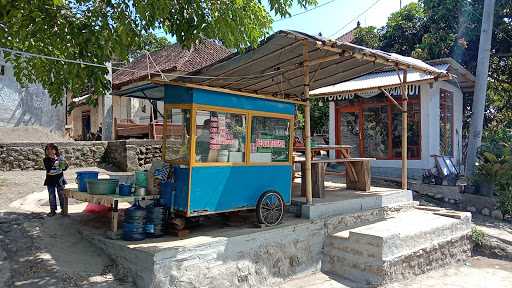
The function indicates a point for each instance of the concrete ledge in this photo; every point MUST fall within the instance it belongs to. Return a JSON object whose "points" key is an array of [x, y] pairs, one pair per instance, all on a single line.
{"points": [[354, 202], [397, 248]]}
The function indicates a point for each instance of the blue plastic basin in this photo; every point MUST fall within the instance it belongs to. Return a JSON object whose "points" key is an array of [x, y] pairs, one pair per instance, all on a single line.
{"points": [[83, 176]]}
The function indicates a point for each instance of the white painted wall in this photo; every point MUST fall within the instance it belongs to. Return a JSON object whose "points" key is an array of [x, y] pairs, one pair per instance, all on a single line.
{"points": [[143, 117], [27, 106], [332, 128]]}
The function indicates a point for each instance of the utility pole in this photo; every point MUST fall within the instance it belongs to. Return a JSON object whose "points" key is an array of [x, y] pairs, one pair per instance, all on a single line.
{"points": [[106, 133], [482, 72]]}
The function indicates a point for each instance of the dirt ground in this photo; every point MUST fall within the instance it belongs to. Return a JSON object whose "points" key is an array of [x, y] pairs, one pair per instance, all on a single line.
{"points": [[477, 272], [37, 251], [28, 134]]}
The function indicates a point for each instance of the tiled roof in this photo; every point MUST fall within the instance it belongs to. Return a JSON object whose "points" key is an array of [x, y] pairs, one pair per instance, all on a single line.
{"points": [[169, 59], [347, 37]]}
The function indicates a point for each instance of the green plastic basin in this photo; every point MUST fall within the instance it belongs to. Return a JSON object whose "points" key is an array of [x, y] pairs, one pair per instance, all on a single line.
{"points": [[102, 186]]}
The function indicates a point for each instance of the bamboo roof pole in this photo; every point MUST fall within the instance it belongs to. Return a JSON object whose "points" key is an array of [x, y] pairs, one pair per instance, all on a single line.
{"points": [[404, 129], [307, 127]]}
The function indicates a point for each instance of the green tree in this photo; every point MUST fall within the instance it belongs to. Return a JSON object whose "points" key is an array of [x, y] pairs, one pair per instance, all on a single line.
{"points": [[404, 30], [433, 29], [367, 36], [150, 42], [98, 31]]}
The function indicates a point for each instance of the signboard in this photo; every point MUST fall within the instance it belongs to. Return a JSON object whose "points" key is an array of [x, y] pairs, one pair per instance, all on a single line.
{"points": [[219, 134], [412, 91]]}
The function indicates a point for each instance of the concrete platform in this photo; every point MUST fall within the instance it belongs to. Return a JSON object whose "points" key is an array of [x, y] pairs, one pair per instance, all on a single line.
{"points": [[216, 255], [339, 201], [407, 244]]}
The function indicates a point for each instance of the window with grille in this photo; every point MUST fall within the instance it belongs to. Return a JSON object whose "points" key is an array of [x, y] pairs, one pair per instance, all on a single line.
{"points": [[446, 122]]}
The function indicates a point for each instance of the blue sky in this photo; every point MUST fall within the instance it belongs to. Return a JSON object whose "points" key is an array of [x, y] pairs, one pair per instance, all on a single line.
{"points": [[337, 17], [329, 19]]}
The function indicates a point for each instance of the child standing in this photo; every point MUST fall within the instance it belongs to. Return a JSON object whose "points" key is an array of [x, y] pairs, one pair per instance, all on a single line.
{"points": [[55, 166]]}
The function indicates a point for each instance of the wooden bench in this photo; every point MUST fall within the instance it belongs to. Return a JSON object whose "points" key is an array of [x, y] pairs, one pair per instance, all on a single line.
{"points": [[358, 175]]}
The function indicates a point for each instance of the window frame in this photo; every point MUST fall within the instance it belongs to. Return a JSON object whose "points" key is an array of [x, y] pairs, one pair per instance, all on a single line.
{"points": [[445, 120], [166, 122], [219, 110], [249, 115], [359, 108], [291, 136]]}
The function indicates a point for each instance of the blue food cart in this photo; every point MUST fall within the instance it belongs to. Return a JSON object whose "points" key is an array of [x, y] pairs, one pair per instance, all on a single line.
{"points": [[229, 151]]}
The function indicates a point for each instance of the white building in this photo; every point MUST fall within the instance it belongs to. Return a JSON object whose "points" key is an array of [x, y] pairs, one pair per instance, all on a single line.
{"points": [[362, 116]]}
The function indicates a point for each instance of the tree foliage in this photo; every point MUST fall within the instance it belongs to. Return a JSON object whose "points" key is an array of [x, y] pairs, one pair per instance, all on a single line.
{"points": [[99, 30], [150, 42], [432, 29], [404, 30], [367, 36]]}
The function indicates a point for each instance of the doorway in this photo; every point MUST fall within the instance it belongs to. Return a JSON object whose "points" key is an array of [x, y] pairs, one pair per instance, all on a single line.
{"points": [[86, 124], [348, 127]]}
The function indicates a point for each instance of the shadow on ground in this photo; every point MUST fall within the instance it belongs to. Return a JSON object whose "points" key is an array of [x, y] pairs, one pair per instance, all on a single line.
{"points": [[37, 251]]}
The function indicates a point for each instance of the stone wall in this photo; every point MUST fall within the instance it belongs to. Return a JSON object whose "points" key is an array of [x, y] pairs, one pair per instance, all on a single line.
{"points": [[29, 156], [127, 155], [140, 153]]}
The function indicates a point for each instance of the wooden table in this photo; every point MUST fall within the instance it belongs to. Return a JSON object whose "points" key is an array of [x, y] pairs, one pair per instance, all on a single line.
{"points": [[111, 200], [315, 150], [358, 176]]}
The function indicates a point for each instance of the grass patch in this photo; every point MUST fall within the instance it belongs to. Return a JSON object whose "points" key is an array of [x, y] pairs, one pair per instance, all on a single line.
{"points": [[477, 236]]}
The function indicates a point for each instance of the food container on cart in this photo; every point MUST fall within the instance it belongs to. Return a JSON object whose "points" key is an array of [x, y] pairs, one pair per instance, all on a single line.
{"points": [[102, 186]]}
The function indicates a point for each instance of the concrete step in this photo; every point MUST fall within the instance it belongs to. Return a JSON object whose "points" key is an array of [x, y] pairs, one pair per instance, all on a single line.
{"points": [[391, 249]]}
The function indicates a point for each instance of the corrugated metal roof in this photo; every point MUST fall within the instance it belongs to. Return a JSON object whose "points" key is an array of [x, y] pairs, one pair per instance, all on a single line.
{"points": [[374, 81], [276, 66]]}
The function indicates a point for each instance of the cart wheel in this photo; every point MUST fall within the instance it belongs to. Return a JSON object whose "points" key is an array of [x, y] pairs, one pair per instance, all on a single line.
{"points": [[270, 208]]}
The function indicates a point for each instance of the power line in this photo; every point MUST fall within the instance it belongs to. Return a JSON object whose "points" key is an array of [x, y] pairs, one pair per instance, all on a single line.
{"points": [[355, 18], [304, 12], [28, 54]]}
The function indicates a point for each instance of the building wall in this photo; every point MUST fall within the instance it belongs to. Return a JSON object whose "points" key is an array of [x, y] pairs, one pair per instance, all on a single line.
{"points": [[429, 132], [75, 118], [141, 110], [22, 106]]}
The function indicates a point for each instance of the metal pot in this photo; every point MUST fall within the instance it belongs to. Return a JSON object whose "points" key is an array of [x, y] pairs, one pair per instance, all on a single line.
{"points": [[140, 191]]}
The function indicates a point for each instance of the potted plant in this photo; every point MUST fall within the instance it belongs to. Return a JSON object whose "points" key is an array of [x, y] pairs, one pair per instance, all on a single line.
{"points": [[491, 161]]}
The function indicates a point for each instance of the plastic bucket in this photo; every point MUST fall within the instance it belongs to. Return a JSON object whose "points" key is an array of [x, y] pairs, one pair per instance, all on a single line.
{"points": [[83, 176], [125, 189], [141, 179]]}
